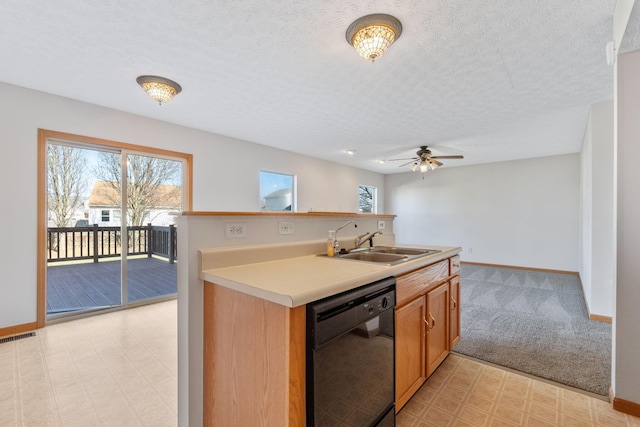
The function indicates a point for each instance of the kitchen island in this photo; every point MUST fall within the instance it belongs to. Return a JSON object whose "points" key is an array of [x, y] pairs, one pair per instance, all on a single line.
{"points": [[254, 321]]}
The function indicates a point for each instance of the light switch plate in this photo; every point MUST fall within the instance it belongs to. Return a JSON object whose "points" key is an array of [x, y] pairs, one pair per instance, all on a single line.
{"points": [[380, 225]]}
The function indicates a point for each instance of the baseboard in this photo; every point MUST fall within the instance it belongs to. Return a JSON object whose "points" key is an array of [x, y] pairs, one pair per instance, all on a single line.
{"points": [[626, 406], [596, 317], [600, 318], [515, 267], [18, 329]]}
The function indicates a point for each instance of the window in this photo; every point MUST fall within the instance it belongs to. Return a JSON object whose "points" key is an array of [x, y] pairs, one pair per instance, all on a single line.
{"points": [[277, 192], [117, 216], [105, 216], [367, 199]]}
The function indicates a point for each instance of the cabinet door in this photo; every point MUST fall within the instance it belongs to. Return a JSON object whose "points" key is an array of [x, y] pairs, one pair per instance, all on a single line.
{"points": [[437, 327], [410, 349], [454, 315]]}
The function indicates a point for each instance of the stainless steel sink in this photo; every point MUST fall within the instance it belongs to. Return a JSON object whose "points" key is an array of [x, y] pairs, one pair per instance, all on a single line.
{"points": [[374, 257], [389, 255], [403, 251]]}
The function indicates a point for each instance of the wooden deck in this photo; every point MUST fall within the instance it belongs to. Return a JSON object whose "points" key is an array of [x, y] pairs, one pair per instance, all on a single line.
{"points": [[88, 285]]}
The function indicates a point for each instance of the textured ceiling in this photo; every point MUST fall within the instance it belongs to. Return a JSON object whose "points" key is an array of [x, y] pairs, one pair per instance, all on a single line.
{"points": [[631, 38], [490, 79]]}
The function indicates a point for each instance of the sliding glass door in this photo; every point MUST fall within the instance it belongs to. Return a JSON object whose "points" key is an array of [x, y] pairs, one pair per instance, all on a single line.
{"points": [[153, 197], [111, 239]]}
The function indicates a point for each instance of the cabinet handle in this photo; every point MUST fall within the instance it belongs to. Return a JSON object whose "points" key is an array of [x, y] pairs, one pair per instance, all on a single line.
{"points": [[433, 321], [455, 303], [426, 323], [456, 265]]}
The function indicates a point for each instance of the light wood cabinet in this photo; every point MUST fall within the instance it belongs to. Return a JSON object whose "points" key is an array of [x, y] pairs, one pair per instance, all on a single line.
{"points": [[454, 265], [410, 349], [254, 360], [415, 283], [427, 323], [437, 327], [454, 312]]}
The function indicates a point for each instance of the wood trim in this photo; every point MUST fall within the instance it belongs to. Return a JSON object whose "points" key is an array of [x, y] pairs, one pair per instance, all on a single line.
{"points": [[44, 136], [41, 233], [309, 214], [600, 318], [515, 267], [297, 366], [91, 141], [626, 406], [18, 329], [596, 317]]}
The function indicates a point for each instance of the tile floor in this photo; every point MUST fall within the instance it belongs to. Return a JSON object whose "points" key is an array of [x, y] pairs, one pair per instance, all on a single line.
{"points": [[465, 393], [116, 369], [119, 369]]}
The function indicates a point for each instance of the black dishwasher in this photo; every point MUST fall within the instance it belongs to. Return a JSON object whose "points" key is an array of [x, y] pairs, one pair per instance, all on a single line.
{"points": [[351, 358]]}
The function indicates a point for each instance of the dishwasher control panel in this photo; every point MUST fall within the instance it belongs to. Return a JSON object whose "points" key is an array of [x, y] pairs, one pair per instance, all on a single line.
{"points": [[374, 307]]}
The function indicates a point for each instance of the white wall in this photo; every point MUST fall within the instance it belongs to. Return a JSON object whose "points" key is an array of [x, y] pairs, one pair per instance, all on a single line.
{"points": [[597, 260], [586, 207], [225, 178], [518, 213], [626, 329]]}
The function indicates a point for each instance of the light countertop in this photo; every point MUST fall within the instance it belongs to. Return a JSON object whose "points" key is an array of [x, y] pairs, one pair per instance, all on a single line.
{"points": [[299, 280]]}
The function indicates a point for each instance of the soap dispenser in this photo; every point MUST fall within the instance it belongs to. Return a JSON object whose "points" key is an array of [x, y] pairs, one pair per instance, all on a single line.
{"points": [[331, 250]]}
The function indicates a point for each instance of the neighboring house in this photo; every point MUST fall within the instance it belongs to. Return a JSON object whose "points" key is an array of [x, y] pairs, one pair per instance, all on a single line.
{"points": [[279, 200], [105, 210]]}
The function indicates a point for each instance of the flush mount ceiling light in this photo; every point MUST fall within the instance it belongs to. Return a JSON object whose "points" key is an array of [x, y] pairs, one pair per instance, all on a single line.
{"points": [[159, 88], [372, 35]]}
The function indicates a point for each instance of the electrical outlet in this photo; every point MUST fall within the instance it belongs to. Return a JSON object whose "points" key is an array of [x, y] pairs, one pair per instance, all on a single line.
{"points": [[380, 225], [285, 227], [236, 230]]}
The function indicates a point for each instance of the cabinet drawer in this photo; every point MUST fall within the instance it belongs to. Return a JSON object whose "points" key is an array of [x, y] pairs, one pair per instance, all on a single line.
{"points": [[454, 265], [417, 282]]}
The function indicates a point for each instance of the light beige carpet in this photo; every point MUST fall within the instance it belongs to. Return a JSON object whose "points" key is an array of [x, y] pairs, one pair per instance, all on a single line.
{"points": [[534, 322]]}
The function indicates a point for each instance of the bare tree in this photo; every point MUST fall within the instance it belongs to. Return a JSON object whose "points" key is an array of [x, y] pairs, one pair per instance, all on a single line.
{"points": [[152, 183], [66, 182], [366, 199]]}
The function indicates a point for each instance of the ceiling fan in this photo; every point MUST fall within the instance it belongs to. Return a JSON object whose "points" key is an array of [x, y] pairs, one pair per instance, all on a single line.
{"points": [[424, 160]]}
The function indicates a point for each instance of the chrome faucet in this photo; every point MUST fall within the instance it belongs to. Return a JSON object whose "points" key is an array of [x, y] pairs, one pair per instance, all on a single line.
{"points": [[336, 245], [366, 236]]}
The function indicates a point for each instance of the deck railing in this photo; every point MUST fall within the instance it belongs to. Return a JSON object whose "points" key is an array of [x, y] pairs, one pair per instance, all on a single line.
{"points": [[94, 242]]}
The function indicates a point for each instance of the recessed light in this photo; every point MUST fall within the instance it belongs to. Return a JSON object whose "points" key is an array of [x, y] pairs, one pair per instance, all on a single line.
{"points": [[351, 152]]}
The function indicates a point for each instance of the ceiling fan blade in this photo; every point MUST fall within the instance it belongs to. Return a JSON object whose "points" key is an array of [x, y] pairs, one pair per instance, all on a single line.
{"points": [[448, 157], [436, 162], [405, 158], [408, 163]]}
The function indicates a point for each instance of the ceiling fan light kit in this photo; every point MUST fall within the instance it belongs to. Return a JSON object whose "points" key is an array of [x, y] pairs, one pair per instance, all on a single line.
{"points": [[424, 160], [159, 88], [372, 35]]}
